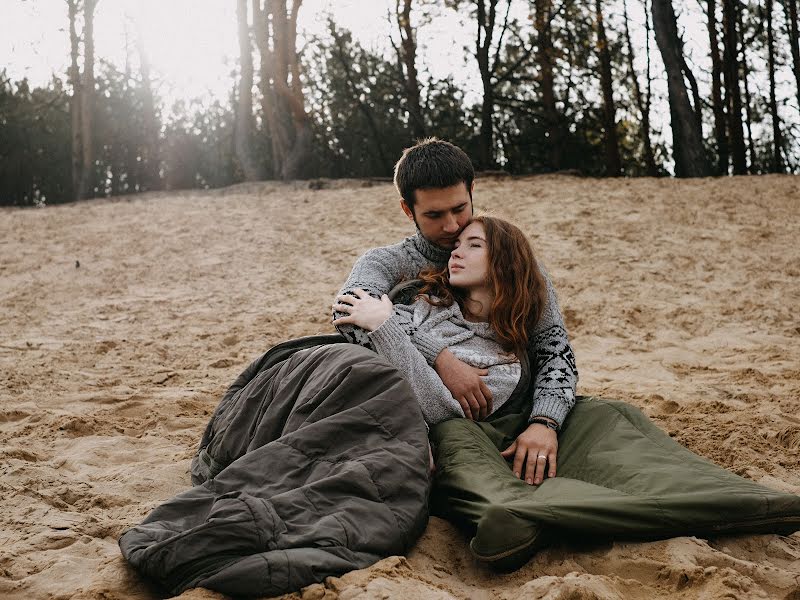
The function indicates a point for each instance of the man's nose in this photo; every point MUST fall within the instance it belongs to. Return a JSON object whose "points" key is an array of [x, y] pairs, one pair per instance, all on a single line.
{"points": [[451, 223]]}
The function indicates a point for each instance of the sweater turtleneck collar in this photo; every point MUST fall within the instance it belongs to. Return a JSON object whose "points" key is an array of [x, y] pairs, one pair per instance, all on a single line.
{"points": [[435, 254]]}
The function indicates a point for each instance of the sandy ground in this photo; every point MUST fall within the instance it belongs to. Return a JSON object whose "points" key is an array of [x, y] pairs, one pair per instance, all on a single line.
{"points": [[122, 323]]}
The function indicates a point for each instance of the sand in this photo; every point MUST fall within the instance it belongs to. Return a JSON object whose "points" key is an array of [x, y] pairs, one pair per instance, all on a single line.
{"points": [[124, 320]]}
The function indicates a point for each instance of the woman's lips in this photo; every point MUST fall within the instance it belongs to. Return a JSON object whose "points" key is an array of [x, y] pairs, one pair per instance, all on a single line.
{"points": [[456, 267]]}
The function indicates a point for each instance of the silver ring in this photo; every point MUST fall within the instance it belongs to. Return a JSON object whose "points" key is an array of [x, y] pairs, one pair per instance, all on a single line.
{"points": [[541, 456]]}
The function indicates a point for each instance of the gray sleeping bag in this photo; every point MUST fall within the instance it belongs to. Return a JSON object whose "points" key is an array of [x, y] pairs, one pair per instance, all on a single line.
{"points": [[315, 463]]}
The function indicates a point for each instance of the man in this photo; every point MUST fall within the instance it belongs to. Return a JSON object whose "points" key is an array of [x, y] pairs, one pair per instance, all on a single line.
{"points": [[435, 180]]}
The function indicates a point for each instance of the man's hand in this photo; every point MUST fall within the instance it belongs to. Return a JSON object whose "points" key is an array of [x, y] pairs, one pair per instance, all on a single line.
{"points": [[465, 384], [534, 453], [363, 310]]}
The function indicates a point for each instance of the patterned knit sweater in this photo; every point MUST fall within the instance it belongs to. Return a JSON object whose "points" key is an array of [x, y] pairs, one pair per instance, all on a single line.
{"points": [[380, 269], [474, 343]]}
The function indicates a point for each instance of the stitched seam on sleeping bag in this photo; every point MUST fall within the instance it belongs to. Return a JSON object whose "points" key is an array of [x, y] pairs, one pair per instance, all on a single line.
{"points": [[380, 425], [378, 492], [660, 445], [660, 508], [383, 429], [310, 457], [316, 508], [337, 462], [387, 431], [268, 578], [299, 358], [372, 478], [344, 529], [276, 521], [261, 542], [310, 501], [158, 544]]}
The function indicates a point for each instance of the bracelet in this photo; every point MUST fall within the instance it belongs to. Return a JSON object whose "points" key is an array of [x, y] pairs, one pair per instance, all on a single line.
{"points": [[545, 422]]}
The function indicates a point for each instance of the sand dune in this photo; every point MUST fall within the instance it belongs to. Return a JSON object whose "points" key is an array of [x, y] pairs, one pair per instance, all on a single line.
{"points": [[123, 321]]}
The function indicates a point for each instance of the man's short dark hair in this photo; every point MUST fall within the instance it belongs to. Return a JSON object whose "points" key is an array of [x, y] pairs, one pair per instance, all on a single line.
{"points": [[431, 163]]}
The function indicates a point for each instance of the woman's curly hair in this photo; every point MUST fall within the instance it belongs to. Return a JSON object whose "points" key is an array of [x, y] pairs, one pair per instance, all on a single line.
{"points": [[518, 287]]}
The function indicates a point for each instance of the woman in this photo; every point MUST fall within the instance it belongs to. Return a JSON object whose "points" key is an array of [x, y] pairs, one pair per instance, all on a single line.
{"points": [[482, 305]]}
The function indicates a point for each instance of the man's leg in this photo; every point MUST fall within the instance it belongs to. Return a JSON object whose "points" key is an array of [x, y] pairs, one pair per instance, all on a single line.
{"points": [[474, 486]]}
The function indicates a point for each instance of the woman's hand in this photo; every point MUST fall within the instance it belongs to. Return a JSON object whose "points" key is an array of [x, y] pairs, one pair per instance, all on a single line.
{"points": [[534, 453], [363, 310]]}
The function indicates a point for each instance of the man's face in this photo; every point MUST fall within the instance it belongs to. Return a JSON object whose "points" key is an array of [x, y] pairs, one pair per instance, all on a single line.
{"points": [[441, 213]]}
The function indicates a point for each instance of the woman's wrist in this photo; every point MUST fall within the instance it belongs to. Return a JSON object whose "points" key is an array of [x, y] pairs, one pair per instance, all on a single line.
{"points": [[377, 323]]}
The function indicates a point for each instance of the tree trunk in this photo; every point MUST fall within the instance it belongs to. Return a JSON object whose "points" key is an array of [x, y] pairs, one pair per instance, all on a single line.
{"points": [[87, 180], [794, 41], [613, 163], [748, 101], [544, 56], [732, 90], [152, 154], [696, 103], [569, 72], [644, 111], [282, 102], [75, 100], [483, 43], [301, 147], [690, 159], [244, 106], [777, 138], [269, 101], [409, 58], [720, 130]]}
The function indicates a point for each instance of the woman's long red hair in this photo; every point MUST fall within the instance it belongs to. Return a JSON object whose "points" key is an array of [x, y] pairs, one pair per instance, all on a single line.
{"points": [[518, 287]]}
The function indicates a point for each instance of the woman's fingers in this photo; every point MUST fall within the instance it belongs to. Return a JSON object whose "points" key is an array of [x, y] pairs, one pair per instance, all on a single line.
{"points": [[340, 307], [352, 298]]}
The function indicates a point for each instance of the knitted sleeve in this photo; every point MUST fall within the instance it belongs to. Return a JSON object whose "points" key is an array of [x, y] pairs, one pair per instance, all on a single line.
{"points": [[556, 375], [392, 341], [376, 272]]}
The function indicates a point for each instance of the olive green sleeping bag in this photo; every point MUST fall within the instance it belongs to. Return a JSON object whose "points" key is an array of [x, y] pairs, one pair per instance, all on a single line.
{"points": [[619, 476]]}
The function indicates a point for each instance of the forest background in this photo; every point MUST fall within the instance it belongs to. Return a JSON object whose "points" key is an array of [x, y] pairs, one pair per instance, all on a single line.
{"points": [[600, 87]]}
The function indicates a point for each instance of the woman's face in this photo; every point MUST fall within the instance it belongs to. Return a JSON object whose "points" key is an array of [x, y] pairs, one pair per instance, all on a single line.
{"points": [[469, 261]]}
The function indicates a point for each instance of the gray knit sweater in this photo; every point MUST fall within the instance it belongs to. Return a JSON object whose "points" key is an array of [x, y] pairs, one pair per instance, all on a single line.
{"points": [[474, 343], [552, 361]]}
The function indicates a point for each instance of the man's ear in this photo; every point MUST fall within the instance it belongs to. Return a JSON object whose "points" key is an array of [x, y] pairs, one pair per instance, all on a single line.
{"points": [[471, 201], [406, 209]]}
